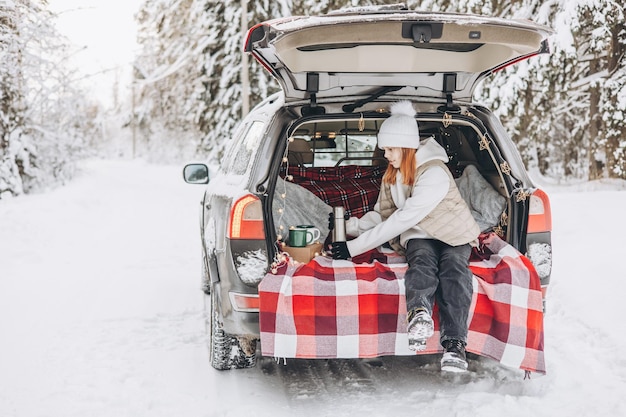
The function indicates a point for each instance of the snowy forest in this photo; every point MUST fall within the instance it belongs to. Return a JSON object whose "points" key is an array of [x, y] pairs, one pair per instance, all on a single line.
{"points": [[565, 111]]}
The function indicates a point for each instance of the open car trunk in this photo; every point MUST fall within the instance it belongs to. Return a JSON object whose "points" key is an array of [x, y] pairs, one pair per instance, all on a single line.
{"points": [[356, 309], [334, 161], [424, 54]]}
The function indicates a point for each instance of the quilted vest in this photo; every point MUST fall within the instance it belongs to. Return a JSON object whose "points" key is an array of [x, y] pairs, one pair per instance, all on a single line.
{"points": [[450, 221]]}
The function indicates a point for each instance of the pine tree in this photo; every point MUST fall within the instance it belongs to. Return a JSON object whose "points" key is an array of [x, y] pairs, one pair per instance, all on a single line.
{"points": [[586, 117], [11, 98], [558, 109], [613, 102], [574, 121], [166, 76], [45, 121]]}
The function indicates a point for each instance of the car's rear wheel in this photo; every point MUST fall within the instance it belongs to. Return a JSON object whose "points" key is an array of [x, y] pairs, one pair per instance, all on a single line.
{"points": [[225, 350]]}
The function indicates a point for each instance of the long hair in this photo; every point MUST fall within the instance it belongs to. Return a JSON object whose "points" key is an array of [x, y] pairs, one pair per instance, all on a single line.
{"points": [[408, 168]]}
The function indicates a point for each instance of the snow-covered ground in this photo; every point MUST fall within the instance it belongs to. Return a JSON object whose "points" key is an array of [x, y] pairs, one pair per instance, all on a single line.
{"points": [[101, 315]]}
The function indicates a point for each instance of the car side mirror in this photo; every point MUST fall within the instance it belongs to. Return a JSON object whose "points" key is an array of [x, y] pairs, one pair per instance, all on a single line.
{"points": [[196, 174]]}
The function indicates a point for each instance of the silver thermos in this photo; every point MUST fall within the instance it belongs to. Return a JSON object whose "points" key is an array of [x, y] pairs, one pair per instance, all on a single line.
{"points": [[339, 228]]}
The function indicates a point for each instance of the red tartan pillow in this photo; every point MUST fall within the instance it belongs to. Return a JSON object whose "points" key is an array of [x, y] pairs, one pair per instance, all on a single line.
{"points": [[353, 187]]}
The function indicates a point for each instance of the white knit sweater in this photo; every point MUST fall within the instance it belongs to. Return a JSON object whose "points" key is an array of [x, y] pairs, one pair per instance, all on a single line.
{"points": [[428, 191]]}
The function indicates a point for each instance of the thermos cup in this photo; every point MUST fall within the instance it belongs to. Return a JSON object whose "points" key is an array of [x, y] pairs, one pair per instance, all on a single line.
{"points": [[339, 228]]}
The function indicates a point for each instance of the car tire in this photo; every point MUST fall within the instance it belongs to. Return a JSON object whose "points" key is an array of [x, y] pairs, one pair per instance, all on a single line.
{"points": [[225, 350]]}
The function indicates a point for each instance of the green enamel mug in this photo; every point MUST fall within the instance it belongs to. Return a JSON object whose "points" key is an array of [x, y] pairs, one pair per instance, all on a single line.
{"points": [[303, 235]]}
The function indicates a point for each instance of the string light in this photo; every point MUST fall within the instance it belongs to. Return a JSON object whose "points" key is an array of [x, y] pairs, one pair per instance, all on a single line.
{"points": [[281, 257]]}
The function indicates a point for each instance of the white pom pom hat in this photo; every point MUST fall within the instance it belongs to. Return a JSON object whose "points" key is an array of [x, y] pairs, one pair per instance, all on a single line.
{"points": [[400, 129]]}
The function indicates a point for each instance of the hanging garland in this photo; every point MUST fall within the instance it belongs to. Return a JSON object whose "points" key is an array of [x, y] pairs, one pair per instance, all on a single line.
{"points": [[281, 256]]}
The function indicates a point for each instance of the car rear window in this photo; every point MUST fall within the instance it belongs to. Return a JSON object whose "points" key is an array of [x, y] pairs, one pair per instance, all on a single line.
{"points": [[243, 149], [336, 143]]}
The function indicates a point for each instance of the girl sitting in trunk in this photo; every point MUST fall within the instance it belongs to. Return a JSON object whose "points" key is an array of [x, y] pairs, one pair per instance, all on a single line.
{"points": [[422, 215]]}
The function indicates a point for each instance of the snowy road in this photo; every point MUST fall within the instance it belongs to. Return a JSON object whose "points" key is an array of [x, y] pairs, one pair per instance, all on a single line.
{"points": [[101, 315]]}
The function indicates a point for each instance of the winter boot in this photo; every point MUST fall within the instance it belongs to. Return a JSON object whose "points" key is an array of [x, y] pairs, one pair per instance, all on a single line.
{"points": [[453, 359], [420, 328]]}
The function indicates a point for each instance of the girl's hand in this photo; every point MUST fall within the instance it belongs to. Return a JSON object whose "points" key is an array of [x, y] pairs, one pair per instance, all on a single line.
{"points": [[339, 250]]}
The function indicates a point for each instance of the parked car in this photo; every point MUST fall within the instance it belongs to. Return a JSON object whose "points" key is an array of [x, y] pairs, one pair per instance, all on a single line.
{"points": [[339, 73]]}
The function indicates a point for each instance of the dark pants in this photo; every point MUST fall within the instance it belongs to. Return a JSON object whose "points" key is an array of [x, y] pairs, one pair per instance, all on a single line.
{"points": [[440, 271]]}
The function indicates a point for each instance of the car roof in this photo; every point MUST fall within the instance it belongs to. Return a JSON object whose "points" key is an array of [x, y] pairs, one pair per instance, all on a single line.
{"points": [[356, 52]]}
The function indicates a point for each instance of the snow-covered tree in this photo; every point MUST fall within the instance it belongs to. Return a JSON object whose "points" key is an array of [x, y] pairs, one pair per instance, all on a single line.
{"points": [[45, 121], [167, 75], [586, 77], [11, 98], [613, 86], [190, 74], [565, 111]]}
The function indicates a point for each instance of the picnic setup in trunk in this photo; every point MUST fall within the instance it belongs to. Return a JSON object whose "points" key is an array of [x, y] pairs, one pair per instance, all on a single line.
{"points": [[324, 308]]}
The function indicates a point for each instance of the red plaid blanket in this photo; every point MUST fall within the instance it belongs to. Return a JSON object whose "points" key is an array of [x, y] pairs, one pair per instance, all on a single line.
{"points": [[354, 187], [342, 309]]}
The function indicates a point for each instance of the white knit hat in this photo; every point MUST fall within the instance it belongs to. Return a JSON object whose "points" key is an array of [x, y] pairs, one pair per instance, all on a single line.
{"points": [[400, 129]]}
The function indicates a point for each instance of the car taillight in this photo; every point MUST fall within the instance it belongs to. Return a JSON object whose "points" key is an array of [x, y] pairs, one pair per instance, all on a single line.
{"points": [[244, 302], [538, 241], [246, 219], [257, 33], [515, 61], [539, 215]]}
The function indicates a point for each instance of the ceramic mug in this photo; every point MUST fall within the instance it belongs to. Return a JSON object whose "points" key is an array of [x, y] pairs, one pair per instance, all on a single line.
{"points": [[303, 235], [312, 229]]}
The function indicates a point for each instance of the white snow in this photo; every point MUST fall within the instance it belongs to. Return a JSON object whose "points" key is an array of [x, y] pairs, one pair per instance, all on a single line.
{"points": [[101, 314], [251, 266]]}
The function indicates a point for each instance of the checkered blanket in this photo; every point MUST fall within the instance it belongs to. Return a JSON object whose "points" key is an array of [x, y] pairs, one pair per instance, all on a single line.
{"points": [[354, 187], [342, 309]]}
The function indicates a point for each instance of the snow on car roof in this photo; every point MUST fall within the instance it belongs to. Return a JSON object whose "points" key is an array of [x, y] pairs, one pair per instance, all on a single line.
{"points": [[298, 22]]}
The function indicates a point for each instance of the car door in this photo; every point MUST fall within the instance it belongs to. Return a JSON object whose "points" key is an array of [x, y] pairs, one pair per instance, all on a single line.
{"points": [[423, 54]]}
